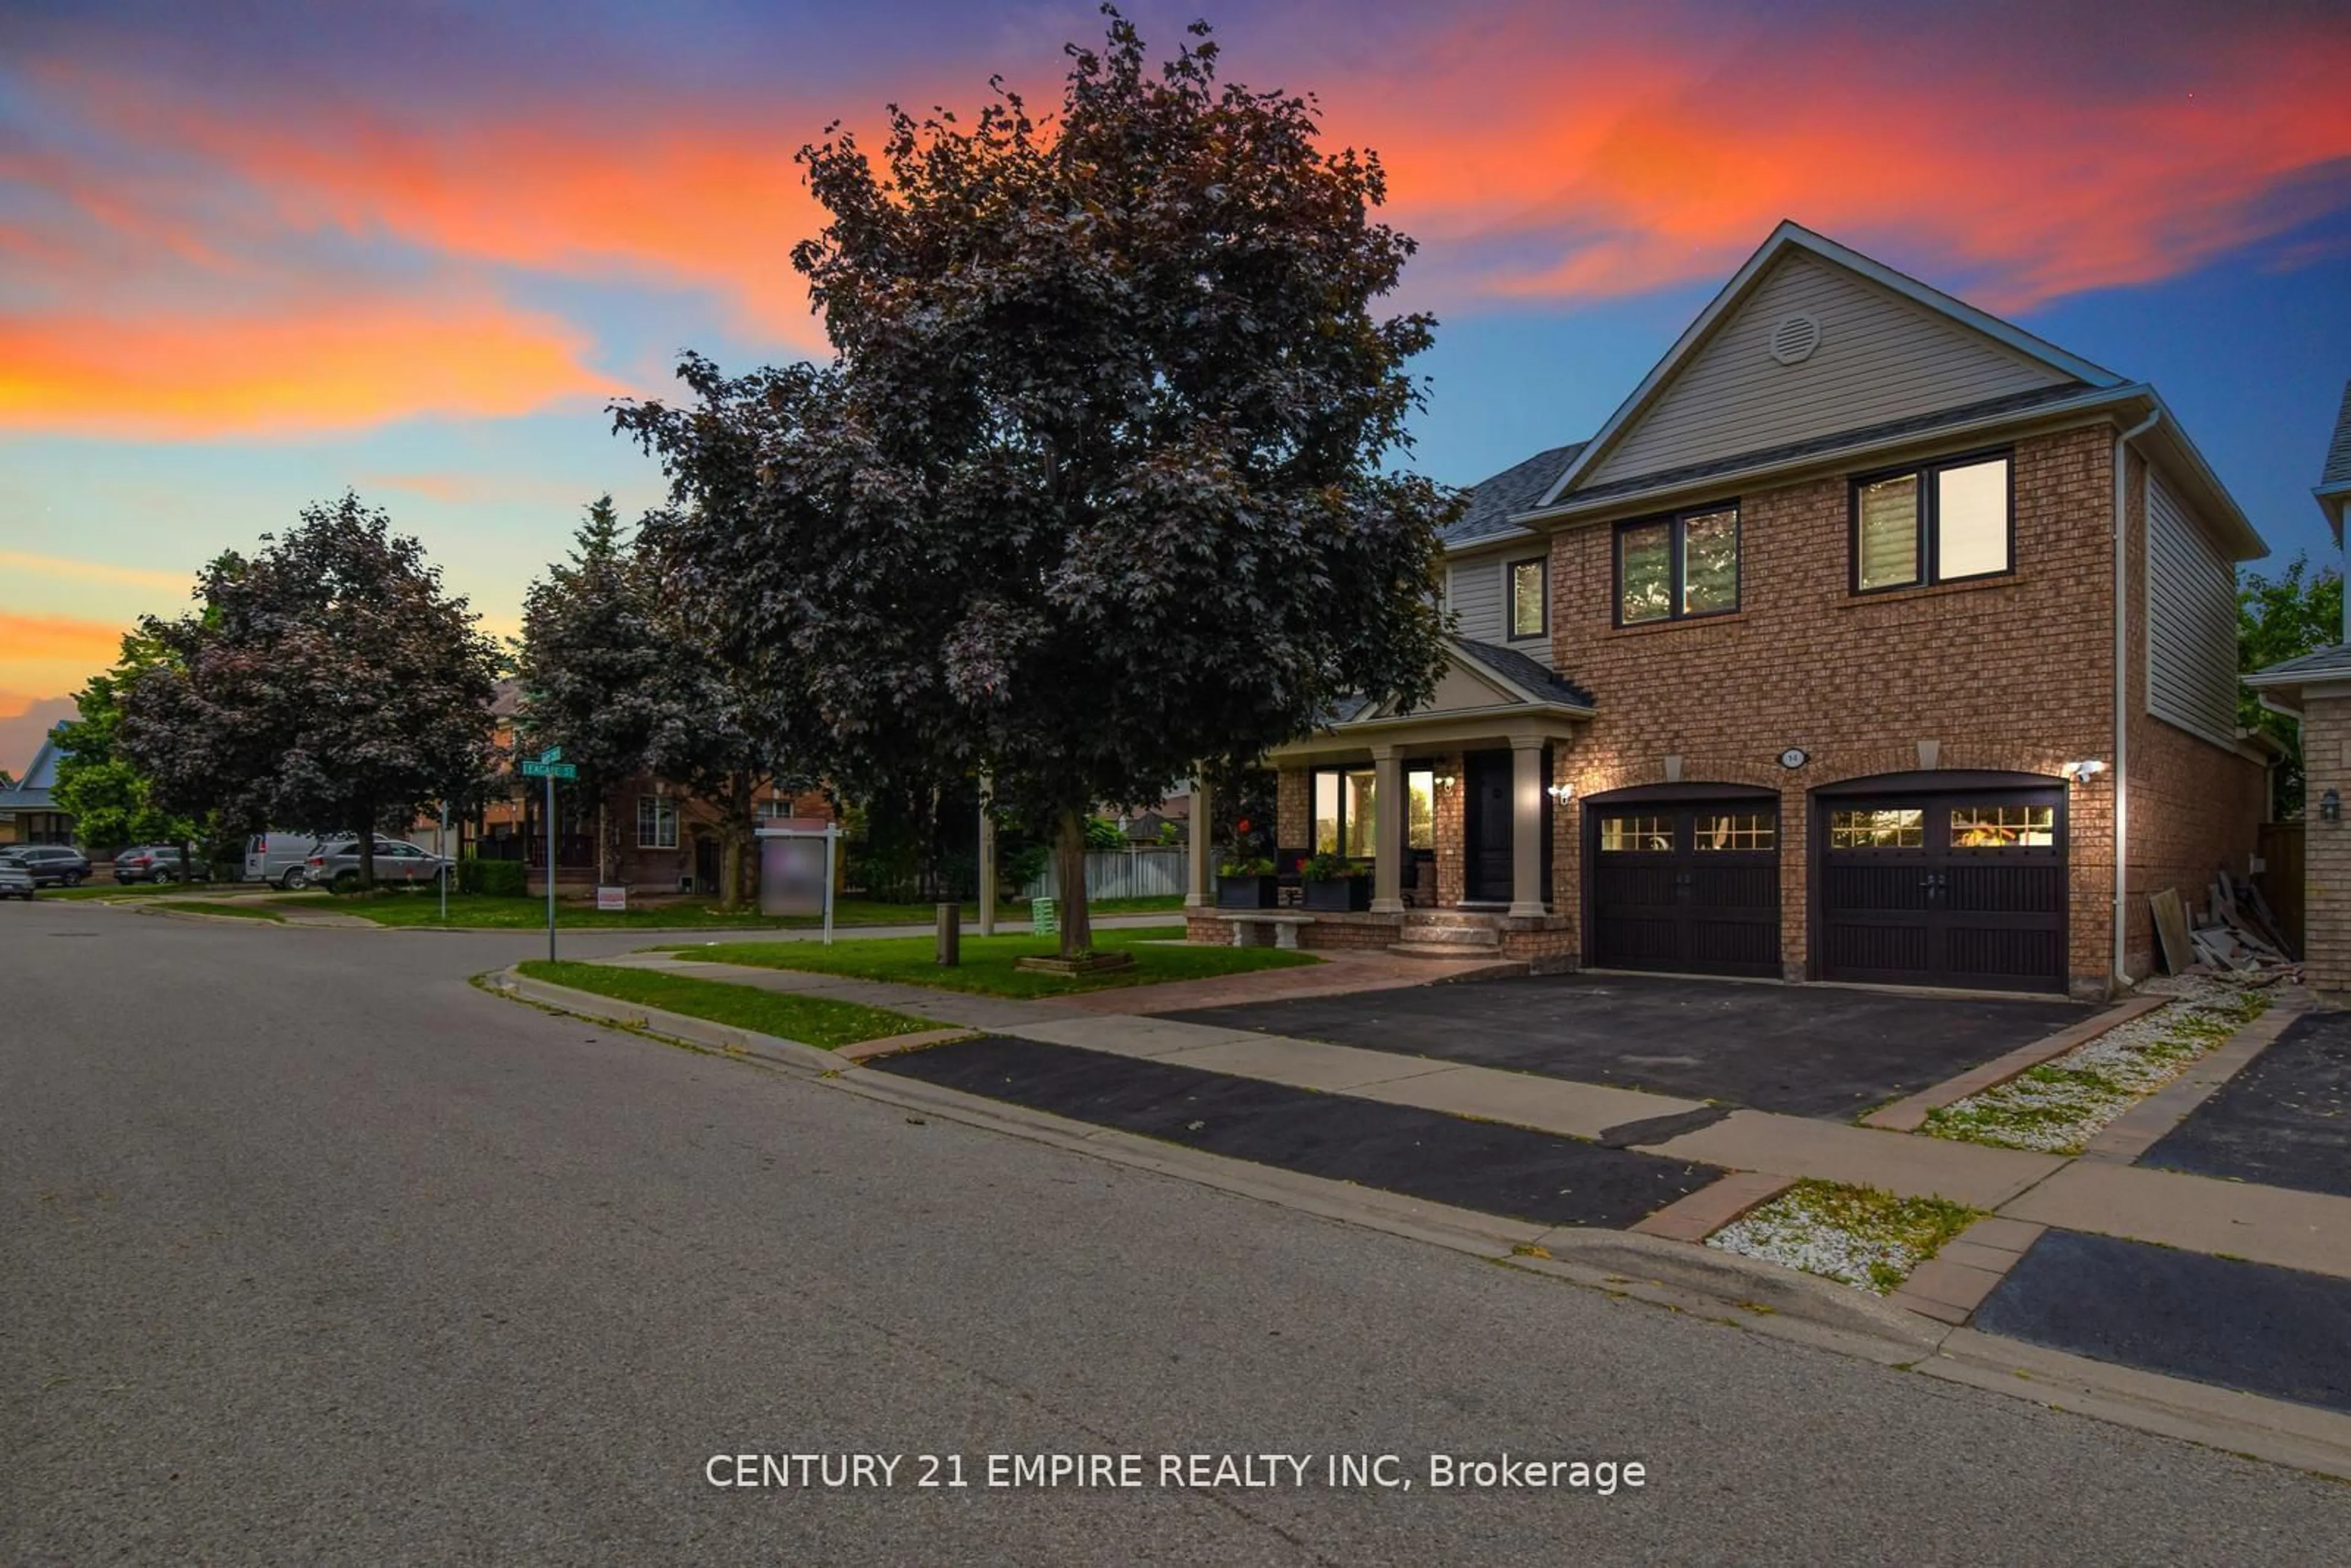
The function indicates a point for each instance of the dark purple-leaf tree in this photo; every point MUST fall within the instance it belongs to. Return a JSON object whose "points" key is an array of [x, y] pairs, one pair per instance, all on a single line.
{"points": [[1097, 487]]}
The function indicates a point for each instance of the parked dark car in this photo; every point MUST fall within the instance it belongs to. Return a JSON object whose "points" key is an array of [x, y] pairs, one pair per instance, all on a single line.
{"points": [[53, 865], [15, 877], [155, 863]]}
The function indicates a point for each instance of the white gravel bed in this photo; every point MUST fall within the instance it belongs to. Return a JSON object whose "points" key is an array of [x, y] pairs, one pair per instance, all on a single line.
{"points": [[2059, 1106], [1856, 1236]]}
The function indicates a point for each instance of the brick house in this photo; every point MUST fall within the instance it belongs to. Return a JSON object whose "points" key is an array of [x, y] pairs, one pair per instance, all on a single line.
{"points": [[1824, 660], [2316, 689], [669, 840]]}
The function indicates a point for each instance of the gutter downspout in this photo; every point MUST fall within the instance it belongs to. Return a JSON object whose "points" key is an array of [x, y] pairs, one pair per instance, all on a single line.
{"points": [[2121, 981]]}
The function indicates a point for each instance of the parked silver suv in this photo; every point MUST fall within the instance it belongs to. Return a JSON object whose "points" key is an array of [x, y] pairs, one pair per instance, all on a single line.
{"points": [[58, 864], [15, 877], [336, 863]]}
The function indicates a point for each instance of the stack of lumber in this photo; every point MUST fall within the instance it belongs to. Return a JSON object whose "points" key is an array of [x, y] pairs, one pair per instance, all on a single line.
{"points": [[2238, 934]]}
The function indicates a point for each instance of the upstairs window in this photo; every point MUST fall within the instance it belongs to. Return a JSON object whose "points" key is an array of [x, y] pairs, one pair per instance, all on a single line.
{"points": [[1940, 523], [657, 822], [1678, 567], [1529, 600]]}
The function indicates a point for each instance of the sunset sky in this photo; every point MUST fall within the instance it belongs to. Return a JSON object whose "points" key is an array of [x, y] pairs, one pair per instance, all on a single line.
{"points": [[250, 255]]}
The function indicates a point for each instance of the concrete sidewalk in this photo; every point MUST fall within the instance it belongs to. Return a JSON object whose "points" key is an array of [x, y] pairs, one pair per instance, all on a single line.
{"points": [[2294, 1229]]}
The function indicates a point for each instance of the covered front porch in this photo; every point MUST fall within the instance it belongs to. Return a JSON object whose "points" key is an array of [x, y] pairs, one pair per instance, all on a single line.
{"points": [[1432, 832]]}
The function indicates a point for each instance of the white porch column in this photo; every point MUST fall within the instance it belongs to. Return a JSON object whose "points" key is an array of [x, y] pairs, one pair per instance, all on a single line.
{"points": [[1199, 891], [1526, 825], [1387, 845]]}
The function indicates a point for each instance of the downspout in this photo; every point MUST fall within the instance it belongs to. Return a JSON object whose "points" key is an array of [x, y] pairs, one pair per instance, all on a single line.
{"points": [[2121, 981]]}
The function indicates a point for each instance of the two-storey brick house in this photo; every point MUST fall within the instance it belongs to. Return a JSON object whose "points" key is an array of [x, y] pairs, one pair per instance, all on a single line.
{"points": [[1824, 659]]}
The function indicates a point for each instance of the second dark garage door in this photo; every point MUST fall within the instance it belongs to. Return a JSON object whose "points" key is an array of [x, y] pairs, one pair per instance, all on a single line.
{"points": [[1917, 882], [1684, 885]]}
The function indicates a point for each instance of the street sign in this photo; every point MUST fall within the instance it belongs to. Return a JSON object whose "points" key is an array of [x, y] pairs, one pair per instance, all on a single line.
{"points": [[552, 754], [550, 771]]}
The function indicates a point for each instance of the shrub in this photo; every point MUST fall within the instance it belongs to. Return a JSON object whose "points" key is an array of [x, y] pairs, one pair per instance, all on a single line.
{"points": [[498, 879], [1330, 868]]}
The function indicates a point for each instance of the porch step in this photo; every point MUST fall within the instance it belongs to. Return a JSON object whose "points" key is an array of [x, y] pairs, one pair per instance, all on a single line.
{"points": [[1452, 952]]}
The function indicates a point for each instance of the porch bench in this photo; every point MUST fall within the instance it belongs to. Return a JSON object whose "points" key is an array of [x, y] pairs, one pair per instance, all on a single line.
{"points": [[1250, 927]]}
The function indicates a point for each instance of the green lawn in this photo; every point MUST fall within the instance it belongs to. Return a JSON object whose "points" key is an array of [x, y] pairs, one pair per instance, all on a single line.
{"points": [[422, 906], [987, 961], [241, 911], [812, 1020], [137, 889]]}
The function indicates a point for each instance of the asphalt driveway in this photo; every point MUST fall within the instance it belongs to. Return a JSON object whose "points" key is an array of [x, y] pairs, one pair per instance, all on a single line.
{"points": [[2285, 1121], [1808, 1050]]}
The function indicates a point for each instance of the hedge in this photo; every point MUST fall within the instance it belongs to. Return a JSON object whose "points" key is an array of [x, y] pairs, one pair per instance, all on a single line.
{"points": [[499, 878]]}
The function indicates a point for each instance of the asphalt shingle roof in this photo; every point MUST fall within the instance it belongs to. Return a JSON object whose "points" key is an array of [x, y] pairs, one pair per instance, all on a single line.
{"points": [[1514, 489], [1534, 675], [2338, 451], [1918, 424], [2327, 663]]}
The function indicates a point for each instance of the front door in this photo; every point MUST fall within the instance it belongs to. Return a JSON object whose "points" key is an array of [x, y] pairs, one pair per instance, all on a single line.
{"points": [[1486, 827]]}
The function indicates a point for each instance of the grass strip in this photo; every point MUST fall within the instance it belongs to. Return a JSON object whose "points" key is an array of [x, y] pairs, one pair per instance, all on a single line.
{"points": [[484, 912], [241, 911], [2059, 1106], [1160, 956], [813, 1021], [1859, 1236]]}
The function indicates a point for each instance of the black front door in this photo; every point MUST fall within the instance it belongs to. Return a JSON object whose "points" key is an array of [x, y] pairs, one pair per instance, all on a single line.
{"points": [[1486, 827], [1687, 886], [1958, 888]]}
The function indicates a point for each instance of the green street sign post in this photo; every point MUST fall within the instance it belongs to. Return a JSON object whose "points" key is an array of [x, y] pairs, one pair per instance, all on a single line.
{"points": [[550, 767]]}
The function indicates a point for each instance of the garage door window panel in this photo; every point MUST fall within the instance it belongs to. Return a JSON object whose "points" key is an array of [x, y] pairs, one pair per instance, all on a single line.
{"points": [[1636, 835], [2004, 827], [1737, 830], [1897, 828]]}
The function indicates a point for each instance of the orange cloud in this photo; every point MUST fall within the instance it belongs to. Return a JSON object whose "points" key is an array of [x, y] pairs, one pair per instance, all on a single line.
{"points": [[53, 653], [90, 571], [1634, 164], [707, 201], [314, 367]]}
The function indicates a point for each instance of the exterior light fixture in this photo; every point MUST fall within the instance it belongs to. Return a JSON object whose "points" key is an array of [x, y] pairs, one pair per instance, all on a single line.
{"points": [[1563, 793], [1445, 782], [2082, 772], [2330, 806]]}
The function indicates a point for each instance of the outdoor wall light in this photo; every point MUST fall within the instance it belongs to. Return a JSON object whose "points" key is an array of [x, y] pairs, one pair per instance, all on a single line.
{"points": [[2330, 806], [1563, 793], [1445, 782], [2082, 772]]}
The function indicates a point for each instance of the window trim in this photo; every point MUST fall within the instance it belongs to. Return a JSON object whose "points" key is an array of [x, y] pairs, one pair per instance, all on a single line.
{"points": [[1510, 632], [1340, 771], [1928, 525], [664, 805], [1675, 587]]}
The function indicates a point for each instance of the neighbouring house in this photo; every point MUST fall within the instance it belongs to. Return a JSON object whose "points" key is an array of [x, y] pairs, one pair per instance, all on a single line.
{"points": [[2316, 689], [669, 840], [28, 815], [1824, 659]]}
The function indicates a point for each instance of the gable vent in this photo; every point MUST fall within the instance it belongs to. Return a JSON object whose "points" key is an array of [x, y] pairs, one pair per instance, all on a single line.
{"points": [[1794, 338]]}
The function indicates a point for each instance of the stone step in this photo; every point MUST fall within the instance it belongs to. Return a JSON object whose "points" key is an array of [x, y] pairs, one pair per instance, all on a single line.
{"points": [[1484, 937], [1450, 952]]}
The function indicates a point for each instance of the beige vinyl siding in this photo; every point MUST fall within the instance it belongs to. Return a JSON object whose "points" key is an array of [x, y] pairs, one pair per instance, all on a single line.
{"points": [[1476, 591], [1881, 357], [2192, 621]]}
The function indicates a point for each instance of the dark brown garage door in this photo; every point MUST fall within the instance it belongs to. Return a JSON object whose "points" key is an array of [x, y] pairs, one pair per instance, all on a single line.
{"points": [[1691, 886], [1942, 887]]}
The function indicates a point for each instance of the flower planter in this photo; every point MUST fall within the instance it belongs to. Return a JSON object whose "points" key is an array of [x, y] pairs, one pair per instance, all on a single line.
{"points": [[1346, 895], [1248, 892]]}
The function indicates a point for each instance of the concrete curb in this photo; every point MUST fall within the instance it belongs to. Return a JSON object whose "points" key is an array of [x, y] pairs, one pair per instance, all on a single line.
{"points": [[1688, 1277], [1909, 1114], [216, 919], [718, 1037]]}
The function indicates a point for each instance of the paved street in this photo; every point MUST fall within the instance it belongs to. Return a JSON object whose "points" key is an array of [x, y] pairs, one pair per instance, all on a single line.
{"points": [[310, 1251]]}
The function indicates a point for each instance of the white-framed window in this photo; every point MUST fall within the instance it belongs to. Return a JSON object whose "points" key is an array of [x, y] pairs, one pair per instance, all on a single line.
{"points": [[777, 811], [656, 821]]}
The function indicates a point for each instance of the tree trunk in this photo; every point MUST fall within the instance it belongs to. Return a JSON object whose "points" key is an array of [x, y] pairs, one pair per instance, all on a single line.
{"points": [[1069, 886], [367, 851], [603, 844], [188, 861]]}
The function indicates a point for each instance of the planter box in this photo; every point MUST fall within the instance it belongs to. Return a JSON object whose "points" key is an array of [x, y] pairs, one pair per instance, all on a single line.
{"points": [[1247, 892], [1347, 896], [1091, 964]]}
